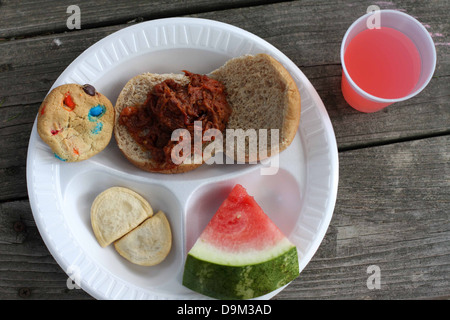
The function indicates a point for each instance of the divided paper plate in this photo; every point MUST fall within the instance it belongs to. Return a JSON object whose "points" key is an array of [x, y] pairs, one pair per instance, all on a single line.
{"points": [[299, 198]]}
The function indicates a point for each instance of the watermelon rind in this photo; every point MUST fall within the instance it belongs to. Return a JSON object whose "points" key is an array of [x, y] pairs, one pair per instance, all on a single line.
{"points": [[229, 282], [204, 250]]}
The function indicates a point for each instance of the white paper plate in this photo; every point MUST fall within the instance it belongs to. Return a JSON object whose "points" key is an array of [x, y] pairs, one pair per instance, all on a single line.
{"points": [[300, 198]]}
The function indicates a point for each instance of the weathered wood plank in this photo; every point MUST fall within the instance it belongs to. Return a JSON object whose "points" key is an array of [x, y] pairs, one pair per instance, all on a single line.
{"points": [[308, 32], [311, 33], [393, 200], [398, 223], [28, 17], [28, 270], [392, 212], [35, 63]]}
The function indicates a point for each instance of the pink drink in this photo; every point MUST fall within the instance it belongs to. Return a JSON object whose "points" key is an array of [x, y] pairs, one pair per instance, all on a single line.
{"points": [[387, 56], [383, 62]]}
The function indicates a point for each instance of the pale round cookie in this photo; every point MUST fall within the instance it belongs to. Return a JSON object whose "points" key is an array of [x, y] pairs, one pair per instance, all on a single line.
{"points": [[149, 243], [76, 121], [115, 212]]}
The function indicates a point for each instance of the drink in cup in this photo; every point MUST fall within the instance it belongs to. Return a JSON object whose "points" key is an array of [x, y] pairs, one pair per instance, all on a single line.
{"points": [[385, 59]]}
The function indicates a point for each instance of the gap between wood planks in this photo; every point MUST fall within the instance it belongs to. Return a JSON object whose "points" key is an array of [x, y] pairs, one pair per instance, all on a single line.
{"points": [[393, 141], [160, 15]]}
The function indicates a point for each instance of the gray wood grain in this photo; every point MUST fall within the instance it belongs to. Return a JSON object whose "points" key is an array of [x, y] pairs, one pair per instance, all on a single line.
{"points": [[399, 223], [392, 211], [28, 17], [393, 199], [28, 270], [29, 67]]}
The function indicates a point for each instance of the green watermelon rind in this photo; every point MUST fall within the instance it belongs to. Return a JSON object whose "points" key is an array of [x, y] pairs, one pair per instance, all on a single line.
{"points": [[240, 282], [204, 250]]}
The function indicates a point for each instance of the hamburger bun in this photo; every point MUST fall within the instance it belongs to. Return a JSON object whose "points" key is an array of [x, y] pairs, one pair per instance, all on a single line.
{"points": [[260, 92]]}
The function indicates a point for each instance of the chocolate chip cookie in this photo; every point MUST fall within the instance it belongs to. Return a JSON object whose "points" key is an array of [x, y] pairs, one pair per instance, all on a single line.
{"points": [[76, 121]]}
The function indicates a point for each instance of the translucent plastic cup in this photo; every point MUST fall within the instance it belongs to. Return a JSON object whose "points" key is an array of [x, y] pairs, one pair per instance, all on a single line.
{"points": [[415, 31]]}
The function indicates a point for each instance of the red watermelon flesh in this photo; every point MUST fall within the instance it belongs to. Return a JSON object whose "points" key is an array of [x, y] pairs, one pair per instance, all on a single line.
{"points": [[241, 254], [240, 224]]}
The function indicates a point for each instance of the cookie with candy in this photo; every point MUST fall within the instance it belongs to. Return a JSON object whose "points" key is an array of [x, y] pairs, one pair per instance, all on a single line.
{"points": [[75, 121]]}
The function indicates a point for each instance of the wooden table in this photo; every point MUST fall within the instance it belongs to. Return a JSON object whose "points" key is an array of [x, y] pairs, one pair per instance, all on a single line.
{"points": [[393, 201]]}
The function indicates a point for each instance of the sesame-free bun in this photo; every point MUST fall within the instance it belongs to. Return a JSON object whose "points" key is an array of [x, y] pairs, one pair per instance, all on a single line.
{"points": [[262, 95], [260, 92], [135, 93]]}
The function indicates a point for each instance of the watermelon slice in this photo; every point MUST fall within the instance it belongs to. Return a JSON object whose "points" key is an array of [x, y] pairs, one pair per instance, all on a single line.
{"points": [[241, 254]]}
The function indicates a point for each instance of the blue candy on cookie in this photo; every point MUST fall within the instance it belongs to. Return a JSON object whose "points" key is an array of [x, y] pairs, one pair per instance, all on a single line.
{"points": [[59, 158], [98, 127], [96, 112]]}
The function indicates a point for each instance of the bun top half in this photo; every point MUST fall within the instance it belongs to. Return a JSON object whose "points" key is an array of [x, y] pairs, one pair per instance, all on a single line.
{"points": [[263, 95]]}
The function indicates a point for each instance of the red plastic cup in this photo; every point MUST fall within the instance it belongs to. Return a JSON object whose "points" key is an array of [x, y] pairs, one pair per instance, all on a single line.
{"points": [[415, 31]]}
